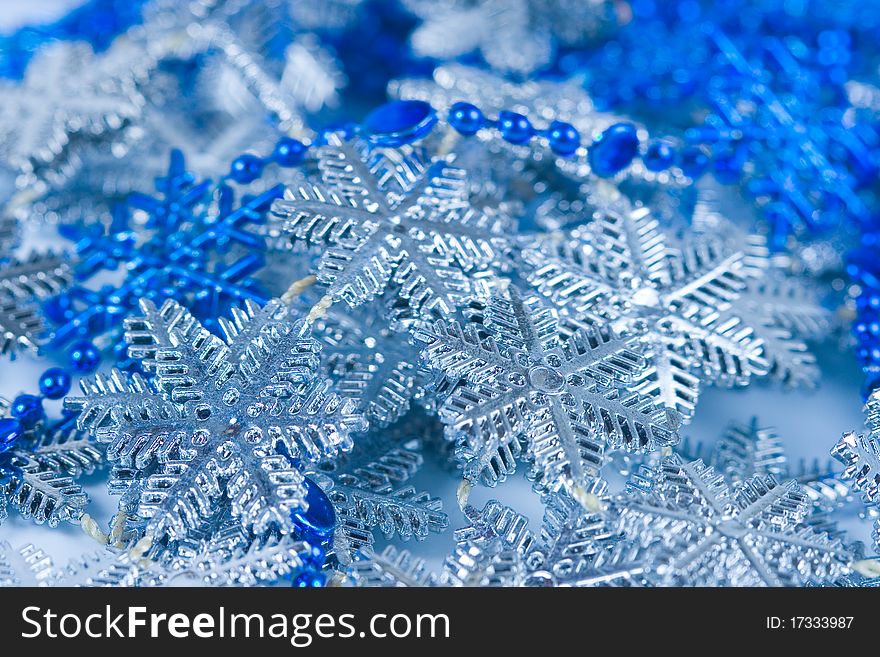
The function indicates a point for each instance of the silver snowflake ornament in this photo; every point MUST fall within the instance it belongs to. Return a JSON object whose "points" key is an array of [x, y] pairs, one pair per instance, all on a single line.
{"points": [[390, 219], [704, 533], [860, 455], [701, 310], [568, 399], [204, 428], [38, 475], [24, 283]]}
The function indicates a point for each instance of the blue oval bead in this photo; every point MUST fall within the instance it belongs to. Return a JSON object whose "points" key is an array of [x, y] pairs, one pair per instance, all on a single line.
{"points": [[28, 409], [466, 118], [694, 161], [614, 149], [10, 430], [564, 138], [309, 579], [317, 523], [246, 168], [55, 383], [84, 357], [514, 127], [399, 122], [659, 156], [289, 152]]}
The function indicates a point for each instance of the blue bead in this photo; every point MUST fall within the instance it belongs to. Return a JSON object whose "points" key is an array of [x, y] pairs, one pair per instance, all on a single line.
{"points": [[694, 161], [10, 430], [614, 149], [289, 152], [863, 266], [84, 357], [55, 383], [466, 118], [514, 127], [314, 558], [246, 168], [399, 122], [564, 138], [317, 523], [58, 308], [659, 156], [309, 579], [28, 409]]}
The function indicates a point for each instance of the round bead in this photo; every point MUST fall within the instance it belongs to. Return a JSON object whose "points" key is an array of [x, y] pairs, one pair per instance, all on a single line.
{"points": [[84, 357], [465, 118], [694, 161], [614, 149], [289, 152], [246, 168], [10, 430], [55, 383], [514, 127], [399, 122], [309, 579], [28, 409], [318, 521], [564, 138], [314, 558], [659, 156], [58, 308]]}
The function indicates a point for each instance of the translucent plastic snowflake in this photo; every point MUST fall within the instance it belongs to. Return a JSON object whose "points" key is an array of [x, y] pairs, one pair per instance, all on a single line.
{"points": [[488, 552], [24, 283], [67, 93], [371, 363], [702, 532], [567, 398], [391, 218], [369, 491], [699, 308], [188, 241], [38, 475], [202, 432]]}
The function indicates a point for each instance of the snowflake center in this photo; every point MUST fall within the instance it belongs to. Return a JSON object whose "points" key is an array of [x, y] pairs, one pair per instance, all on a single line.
{"points": [[546, 379], [731, 529], [646, 297]]}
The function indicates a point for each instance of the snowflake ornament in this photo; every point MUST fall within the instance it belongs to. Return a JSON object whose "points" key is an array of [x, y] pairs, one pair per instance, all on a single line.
{"points": [[24, 283], [368, 490], [39, 466], [189, 241], [203, 428], [701, 311], [702, 532], [390, 219], [68, 93], [518, 379]]}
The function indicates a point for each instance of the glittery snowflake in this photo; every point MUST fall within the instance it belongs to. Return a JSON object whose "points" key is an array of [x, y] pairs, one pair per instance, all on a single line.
{"points": [[368, 489], [204, 429], [24, 283], [699, 309], [67, 92], [567, 398], [189, 241], [390, 218], [703, 532], [38, 474]]}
